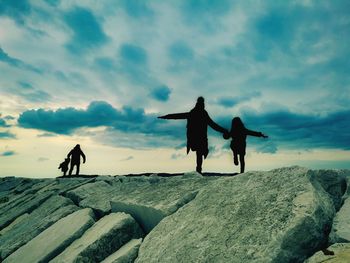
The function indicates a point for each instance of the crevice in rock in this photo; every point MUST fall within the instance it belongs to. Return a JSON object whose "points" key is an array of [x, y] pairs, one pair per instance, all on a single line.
{"points": [[336, 191], [148, 217]]}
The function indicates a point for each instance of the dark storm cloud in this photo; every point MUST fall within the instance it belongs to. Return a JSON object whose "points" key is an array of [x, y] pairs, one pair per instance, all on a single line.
{"points": [[285, 129], [98, 113]]}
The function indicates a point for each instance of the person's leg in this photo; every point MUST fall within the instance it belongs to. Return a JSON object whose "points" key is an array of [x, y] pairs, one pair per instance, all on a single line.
{"points": [[241, 160], [235, 158], [199, 161], [64, 172], [78, 168], [71, 169]]}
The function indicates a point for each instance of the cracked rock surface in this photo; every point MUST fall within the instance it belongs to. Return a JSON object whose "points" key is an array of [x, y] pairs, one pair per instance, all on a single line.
{"points": [[284, 215]]}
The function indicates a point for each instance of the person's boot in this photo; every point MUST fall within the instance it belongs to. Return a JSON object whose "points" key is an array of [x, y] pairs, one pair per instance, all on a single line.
{"points": [[199, 169]]}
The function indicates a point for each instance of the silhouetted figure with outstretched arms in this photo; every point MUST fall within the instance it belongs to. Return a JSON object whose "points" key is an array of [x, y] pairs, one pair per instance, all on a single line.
{"points": [[75, 158], [197, 125], [64, 166], [238, 145]]}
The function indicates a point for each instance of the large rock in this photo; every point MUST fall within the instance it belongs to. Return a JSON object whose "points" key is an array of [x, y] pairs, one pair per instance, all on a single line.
{"points": [[126, 254], [97, 196], [334, 182], [341, 224], [143, 197], [54, 239], [25, 204], [106, 236], [27, 226], [341, 255], [277, 216]]}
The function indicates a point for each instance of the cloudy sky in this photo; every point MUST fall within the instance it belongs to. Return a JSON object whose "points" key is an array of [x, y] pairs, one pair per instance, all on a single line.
{"points": [[99, 72]]}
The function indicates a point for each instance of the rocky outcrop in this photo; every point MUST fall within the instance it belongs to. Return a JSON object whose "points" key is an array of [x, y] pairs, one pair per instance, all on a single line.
{"points": [[55, 239], [126, 254], [341, 224], [284, 215], [30, 225], [341, 254], [277, 216], [101, 240]]}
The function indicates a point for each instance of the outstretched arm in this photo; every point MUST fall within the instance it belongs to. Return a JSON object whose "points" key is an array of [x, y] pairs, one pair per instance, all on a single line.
{"points": [[255, 133], [69, 154], [175, 116], [216, 126]]}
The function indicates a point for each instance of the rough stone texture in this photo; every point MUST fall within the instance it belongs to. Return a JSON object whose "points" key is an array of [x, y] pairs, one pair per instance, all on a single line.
{"points": [[283, 215], [106, 236], [334, 182], [276, 216], [54, 239], [27, 226], [126, 254], [13, 224], [25, 195], [341, 224], [341, 255], [25, 204], [97, 195], [165, 195]]}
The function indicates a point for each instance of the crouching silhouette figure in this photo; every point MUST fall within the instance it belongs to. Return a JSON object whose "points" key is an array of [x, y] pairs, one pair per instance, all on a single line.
{"points": [[238, 144], [64, 166], [197, 125], [75, 158]]}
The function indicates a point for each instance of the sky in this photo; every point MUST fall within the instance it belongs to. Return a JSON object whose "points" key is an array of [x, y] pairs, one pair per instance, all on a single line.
{"points": [[98, 73]]}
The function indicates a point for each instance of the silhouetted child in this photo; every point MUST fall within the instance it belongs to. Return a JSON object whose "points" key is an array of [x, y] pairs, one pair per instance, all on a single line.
{"points": [[238, 144], [64, 166]]}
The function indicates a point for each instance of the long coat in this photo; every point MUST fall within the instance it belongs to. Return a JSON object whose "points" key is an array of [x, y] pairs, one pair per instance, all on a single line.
{"points": [[197, 127]]}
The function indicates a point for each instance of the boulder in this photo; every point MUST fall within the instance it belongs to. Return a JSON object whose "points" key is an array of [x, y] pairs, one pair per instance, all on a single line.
{"points": [[334, 182], [54, 239], [94, 195], [126, 254], [106, 236], [27, 226], [276, 216], [145, 195], [341, 255], [341, 224]]}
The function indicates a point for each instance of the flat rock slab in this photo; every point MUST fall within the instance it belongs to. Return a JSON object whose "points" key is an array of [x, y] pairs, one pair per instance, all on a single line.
{"points": [[126, 254], [54, 239], [106, 236], [25, 195], [276, 216], [27, 226], [26, 204], [341, 255]]}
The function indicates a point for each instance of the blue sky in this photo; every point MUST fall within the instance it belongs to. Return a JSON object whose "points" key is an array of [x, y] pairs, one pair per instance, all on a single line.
{"points": [[100, 72]]}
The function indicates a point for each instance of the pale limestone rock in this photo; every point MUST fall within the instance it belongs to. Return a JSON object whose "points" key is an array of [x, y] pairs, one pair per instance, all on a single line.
{"points": [[276, 216], [54, 239], [52, 210], [341, 255], [106, 236], [126, 254]]}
